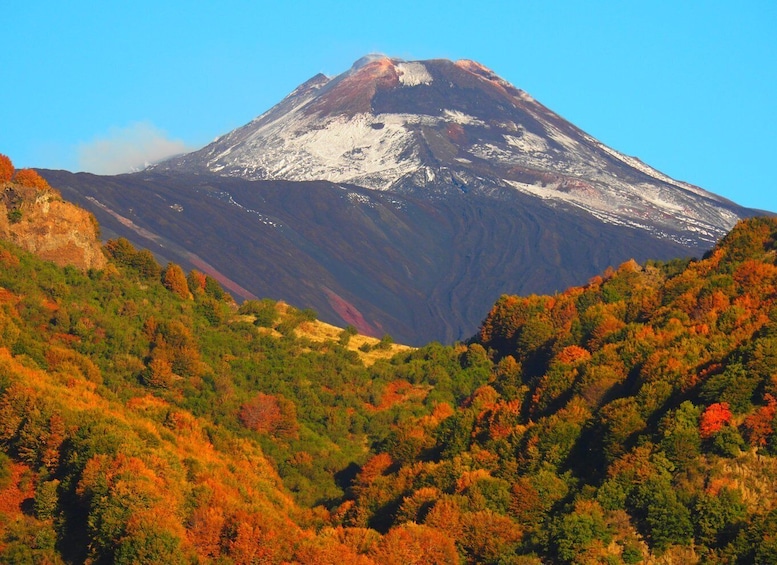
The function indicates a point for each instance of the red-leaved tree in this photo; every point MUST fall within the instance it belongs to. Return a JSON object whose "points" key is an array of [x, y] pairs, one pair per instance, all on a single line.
{"points": [[713, 419], [269, 414], [759, 426]]}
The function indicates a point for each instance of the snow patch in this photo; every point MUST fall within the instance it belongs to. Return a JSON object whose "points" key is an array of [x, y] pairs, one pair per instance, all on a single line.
{"points": [[650, 171], [413, 74], [461, 118], [496, 154], [225, 196], [299, 146], [542, 192], [355, 198], [526, 141], [561, 138]]}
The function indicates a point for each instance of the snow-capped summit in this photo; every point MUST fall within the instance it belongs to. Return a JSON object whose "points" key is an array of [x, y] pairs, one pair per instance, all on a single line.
{"points": [[436, 126]]}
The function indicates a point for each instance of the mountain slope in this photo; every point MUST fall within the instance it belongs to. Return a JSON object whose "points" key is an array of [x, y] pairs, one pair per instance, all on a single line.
{"points": [[385, 263], [431, 126]]}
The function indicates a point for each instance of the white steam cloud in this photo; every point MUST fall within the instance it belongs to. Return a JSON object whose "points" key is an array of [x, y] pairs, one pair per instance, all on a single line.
{"points": [[128, 149]]}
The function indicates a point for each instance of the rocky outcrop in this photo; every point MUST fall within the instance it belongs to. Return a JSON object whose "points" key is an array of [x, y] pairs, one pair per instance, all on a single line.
{"points": [[41, 222]]}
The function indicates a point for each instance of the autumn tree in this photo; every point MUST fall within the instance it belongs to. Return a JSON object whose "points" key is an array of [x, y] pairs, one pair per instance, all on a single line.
{"points": [[196, 281], [174, 280], [373, 488], [52, 441], [6, 168], [489, 536], [759, 425], [30, 179], [159, 373], [205, 526], [254, 538], [554, 383], [415, 544], [174, 343], [713, 419], [270, 414]]}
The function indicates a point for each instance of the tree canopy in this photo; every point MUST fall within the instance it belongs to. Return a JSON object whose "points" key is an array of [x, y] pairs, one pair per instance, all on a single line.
{"points": [[146, 418]]}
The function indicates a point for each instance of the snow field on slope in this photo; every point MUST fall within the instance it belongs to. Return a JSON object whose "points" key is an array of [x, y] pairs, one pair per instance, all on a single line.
{"points": [[413, 74]]}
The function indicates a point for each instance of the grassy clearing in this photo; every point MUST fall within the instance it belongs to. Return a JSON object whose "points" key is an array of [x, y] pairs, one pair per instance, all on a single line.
{"points": [[369, 349], [322, 332]]}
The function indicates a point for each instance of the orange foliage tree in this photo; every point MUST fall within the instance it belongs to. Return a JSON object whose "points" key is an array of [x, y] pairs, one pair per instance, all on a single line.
{"points": [[6, 168], [500, 420], [416, 544], [249, 539], [31, 179], [52, 441], [488, 535], [174, 343], [573, 354], [174, 280], [446, 516], [160, 373]]}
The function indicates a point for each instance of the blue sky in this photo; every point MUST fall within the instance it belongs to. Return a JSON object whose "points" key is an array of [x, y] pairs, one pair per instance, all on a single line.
{"points": [[688, 87]]}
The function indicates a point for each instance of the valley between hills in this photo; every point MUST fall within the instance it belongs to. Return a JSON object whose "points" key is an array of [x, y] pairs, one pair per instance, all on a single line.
{"points": [[146, 417]]}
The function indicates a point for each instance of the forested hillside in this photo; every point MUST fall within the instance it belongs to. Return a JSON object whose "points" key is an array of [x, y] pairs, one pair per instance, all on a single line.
{"points": [[631, 419], [146, 418]]}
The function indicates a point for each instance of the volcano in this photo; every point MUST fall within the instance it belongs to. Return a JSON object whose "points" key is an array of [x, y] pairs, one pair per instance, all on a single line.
{"points": [[404, 197], [432, 127]]}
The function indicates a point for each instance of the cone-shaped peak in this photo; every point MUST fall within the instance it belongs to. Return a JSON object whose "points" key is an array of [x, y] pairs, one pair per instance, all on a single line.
{"points": [[369, 58], [438, 126]]}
